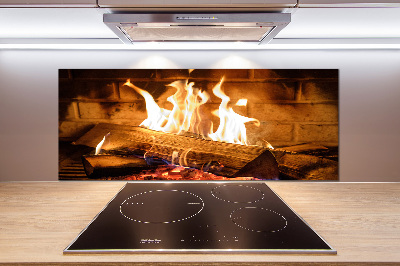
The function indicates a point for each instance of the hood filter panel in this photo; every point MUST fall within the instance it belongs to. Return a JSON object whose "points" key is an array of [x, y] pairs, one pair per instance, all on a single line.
{"points": [[177, 27], [196, 33]]}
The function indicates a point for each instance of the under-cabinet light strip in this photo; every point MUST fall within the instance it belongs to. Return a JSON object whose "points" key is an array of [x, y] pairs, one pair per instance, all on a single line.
{"points": [[276, 44], [197, 47]]}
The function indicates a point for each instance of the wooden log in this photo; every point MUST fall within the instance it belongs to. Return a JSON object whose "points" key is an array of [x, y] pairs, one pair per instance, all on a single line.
{"points": [[306, 167], [303, 147], [104, 165], [111, 165], [230, 160]]}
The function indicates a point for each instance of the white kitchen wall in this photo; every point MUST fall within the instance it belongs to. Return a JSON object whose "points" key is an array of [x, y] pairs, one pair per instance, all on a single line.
{"points": [[369, 101]]}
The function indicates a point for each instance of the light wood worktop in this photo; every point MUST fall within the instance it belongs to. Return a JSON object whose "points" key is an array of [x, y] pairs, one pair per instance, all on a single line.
{"points": [[360, 220]]}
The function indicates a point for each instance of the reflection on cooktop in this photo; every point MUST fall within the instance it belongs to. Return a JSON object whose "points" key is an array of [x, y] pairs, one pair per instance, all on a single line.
{"points": [[198, 217]]}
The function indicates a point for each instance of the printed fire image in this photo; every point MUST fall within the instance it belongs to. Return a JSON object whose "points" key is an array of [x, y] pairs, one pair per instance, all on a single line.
{"points": [[198, 124]]}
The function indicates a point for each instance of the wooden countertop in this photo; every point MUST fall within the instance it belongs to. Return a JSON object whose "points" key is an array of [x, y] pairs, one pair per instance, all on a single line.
{"points": [[360, 220]]}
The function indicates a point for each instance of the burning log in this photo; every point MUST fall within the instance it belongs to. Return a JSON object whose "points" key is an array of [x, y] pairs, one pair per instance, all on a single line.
{"points": [[220, 158]]}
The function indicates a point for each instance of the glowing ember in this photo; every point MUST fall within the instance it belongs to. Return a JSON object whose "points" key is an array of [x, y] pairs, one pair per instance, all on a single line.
{"points": [[185, 115], [169, 172]]}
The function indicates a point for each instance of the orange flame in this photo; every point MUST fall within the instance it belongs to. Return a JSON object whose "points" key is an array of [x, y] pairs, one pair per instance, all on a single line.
{"points": [[241, 102], [185, 115], [156, 116], [101, 143], [269, 146], [231, 126]]}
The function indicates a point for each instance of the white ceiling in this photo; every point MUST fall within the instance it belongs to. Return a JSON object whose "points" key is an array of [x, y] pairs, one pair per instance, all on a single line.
{"points": [[71, 23]]}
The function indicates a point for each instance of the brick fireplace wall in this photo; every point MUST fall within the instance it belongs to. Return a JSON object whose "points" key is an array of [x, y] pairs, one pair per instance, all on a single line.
{"points": [[293, 106]]}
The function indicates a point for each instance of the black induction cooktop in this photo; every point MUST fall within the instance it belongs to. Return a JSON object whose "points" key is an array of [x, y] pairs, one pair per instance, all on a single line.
{"points": [[198, 217]]}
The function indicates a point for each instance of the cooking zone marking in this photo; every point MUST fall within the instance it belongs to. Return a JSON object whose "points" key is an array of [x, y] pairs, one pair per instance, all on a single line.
{"points": [[258, 219], [160, 206], [237, 194]]}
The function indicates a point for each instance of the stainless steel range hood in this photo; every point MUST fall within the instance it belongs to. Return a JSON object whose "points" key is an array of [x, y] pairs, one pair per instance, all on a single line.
{"points": [[175, 27]]}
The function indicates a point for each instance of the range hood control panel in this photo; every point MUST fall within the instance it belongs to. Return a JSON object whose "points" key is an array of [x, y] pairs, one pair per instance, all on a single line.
{"points": [[195, 18]]}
